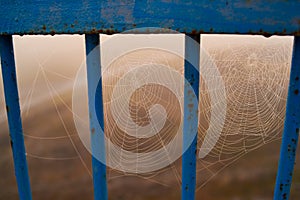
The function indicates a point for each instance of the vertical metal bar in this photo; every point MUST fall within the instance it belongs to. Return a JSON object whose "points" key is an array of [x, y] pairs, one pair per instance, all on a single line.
{"points": [[291, 129], [190, 118], [97, 139], [14, 116]]}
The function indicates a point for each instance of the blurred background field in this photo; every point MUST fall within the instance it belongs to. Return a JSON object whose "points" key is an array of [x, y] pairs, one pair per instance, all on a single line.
{"points": [[242, 166]]}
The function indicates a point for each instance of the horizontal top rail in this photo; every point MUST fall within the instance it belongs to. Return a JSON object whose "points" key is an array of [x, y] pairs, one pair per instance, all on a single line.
{"points": [[278, 17]]}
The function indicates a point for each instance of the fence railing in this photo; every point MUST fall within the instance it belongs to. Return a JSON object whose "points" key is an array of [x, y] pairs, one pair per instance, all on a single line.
{"points": [[92, 17]]}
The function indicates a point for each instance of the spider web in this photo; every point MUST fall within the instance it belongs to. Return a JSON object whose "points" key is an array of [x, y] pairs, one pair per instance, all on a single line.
{"points": [[255, 72]]}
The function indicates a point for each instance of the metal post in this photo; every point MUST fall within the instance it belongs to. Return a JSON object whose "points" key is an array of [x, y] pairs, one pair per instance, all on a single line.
{"points": [[190, 118], [97, 138], [291, 129], [14, 116]]}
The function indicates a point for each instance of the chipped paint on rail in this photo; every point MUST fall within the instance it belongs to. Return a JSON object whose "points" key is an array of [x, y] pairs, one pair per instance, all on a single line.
{"points": [[106, 16]]}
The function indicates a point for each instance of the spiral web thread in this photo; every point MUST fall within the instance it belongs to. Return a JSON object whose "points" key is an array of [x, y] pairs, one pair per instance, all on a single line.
{"points": [[255, 72]]}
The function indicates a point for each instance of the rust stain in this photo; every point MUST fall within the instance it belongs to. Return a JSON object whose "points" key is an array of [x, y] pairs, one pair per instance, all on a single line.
{"points": [[190, 105], [45, 31], [281, 187], [284, 196], [194, 31], [52, 32], [93, 130], [289, 148]]}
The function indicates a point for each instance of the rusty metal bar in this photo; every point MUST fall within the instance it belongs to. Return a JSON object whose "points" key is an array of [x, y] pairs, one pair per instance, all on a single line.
{"points": [[190, 117], [94, 79], [101, 16], [291, 129], [14, 116]]}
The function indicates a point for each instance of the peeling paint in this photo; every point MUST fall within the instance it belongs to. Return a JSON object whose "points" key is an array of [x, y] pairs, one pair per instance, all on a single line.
{"points": [[110, 17]]}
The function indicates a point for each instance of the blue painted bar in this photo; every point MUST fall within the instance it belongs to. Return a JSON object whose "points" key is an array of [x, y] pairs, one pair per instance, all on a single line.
{"points": [[190, 118], [188, 16], [291, 129], [14, 116], [97, 137]]}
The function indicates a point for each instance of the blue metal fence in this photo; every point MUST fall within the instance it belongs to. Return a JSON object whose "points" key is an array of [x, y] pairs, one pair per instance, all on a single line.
{"points": [[93, 17], [190, 118], [14, 116], [97, 139]]}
